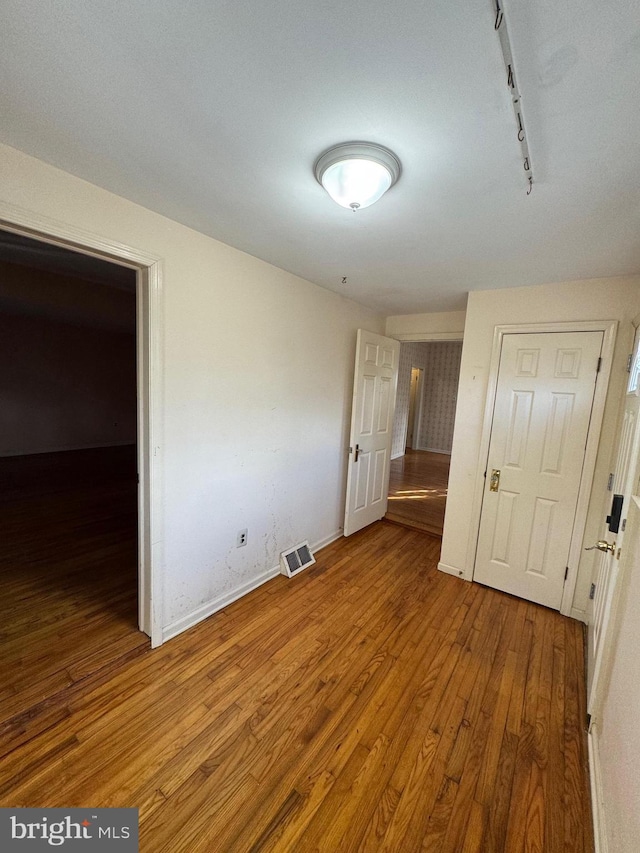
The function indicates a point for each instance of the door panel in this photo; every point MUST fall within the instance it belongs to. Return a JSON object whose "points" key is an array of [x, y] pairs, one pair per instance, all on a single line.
{"points": [[544, 397], [519, 426], [384, 407], [555, 441], [374, 395]]}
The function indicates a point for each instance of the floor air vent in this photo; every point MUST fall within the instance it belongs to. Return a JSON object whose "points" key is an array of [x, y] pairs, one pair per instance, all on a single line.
{"points": [[296, 559]]}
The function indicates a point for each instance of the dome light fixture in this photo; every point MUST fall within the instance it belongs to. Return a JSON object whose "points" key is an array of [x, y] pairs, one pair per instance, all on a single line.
{"points": [[357, 174]]}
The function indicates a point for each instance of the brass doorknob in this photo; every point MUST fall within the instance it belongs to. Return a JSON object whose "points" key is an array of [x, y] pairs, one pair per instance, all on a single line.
{"points": [[603, 545]]}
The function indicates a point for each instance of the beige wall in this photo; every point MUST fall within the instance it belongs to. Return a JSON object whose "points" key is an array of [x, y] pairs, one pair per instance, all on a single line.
{"points": [[424, 326], [257, 391], [594, 299]]}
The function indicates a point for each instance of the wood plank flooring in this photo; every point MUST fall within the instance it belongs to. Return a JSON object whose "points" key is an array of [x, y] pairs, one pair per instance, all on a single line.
{"points": [[418, 490], [369, 704], [68, 572]]}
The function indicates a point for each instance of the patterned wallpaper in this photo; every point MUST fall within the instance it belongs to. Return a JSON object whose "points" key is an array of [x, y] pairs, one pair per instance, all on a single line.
{"points": [[440, 395], [441, 364]]}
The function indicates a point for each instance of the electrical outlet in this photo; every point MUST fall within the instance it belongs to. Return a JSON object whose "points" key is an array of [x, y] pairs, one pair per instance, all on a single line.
{"points": [[241, 538]]}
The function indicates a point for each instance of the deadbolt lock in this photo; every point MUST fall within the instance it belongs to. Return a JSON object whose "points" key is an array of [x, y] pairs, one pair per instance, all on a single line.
{"points": [[494, 482]]}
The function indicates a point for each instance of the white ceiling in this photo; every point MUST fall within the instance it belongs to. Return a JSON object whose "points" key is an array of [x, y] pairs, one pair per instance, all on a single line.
{"points": [[214, 111]]}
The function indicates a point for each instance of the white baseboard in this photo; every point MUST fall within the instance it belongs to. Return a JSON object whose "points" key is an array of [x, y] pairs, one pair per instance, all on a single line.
{"points": [[333, 537], [580, 615], [65, 448], [435, 450], [210, 607], [452, 570], [597, 794]]}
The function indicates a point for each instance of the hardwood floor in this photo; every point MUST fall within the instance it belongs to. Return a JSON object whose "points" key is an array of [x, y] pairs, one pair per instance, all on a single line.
{"points": [[370, 703], [68, 572], [418, 490]]}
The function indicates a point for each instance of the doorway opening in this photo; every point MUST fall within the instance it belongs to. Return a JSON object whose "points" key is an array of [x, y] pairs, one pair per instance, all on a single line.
{"points": [[428, 377], [69, 463], [415, 398]]}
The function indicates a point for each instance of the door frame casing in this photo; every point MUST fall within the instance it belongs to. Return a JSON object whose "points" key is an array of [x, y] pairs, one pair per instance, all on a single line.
{"points": [[598, 666], [150, 372], [609, 329]]}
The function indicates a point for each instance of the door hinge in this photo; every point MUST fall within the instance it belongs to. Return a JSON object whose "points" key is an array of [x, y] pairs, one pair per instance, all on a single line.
{"points": [[610, 483], [624, 524], [599, 365], [566, 572], [629, 360], [592, 592]]}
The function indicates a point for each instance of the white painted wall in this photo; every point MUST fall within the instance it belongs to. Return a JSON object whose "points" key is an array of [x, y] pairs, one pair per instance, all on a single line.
{"points": [[64, 387], [594, 299], [257, 391]]}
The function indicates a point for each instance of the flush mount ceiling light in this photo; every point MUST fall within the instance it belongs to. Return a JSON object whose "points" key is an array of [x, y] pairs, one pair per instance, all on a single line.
{"points": [[357, 174]]}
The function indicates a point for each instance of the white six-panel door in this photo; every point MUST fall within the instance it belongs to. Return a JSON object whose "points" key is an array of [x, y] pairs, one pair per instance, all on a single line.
{"points": [[374, 397], [544, 398]]}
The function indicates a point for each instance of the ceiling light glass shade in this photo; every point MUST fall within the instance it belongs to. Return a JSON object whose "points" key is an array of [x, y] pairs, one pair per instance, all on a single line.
{"points": [[357, 174]]}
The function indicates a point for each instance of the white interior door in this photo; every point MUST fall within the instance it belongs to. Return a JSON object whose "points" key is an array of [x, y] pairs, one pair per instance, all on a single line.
{"points": [[544, 398], [374, 397], [625, 476]]}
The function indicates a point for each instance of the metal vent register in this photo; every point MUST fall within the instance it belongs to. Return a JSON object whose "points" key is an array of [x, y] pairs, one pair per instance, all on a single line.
{"points": [[296, 559]]}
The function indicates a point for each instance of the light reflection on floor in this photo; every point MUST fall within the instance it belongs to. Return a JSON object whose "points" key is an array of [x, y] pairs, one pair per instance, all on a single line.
{"points": [[418, 495], [418, 490]]}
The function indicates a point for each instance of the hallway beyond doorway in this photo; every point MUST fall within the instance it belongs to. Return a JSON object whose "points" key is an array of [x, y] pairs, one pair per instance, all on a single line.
{"points": [[418, 490], [68, 570]]}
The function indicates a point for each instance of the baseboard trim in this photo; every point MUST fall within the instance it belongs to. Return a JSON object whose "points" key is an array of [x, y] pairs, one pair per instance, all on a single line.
{"points": [[210, 607], [452, 570], [435, 450], [68, 448], [333, 537], [580, 615], [597, 794]]}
